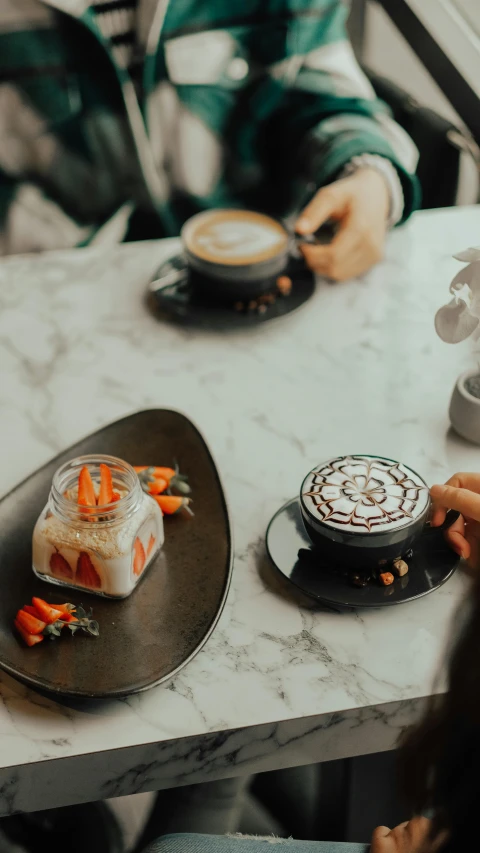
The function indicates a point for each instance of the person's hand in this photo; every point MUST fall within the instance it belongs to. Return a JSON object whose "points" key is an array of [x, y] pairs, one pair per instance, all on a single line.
{"points": [[360, 204], [409, 837], [462, 492]]}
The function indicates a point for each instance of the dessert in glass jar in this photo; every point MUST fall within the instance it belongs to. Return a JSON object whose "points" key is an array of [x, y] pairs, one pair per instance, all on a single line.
{"points": [[99, 531]]}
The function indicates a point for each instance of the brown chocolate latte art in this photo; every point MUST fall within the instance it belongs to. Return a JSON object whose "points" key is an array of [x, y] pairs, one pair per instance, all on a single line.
{"points": [[364, 494], [234, 237]]}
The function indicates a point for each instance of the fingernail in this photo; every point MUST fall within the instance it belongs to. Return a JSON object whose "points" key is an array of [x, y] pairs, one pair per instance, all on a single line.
{"points": [[303, 225]]}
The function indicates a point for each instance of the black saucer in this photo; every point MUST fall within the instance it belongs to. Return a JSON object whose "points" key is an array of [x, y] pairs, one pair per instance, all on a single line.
{"points": [[292, 553], [173, 295]]}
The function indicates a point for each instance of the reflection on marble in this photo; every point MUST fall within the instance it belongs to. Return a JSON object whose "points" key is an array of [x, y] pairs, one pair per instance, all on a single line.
{"points": [[278, 683]]}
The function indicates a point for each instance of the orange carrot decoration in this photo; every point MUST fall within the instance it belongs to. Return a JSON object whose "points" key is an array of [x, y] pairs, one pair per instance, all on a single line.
{"points": [[30, 623], [45, 611], [38, 620], [29, 639], [171, 504], [157, 486], [151, 477]]}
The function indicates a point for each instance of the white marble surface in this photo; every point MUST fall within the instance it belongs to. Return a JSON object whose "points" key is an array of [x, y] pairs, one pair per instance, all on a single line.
{"points": [[359, 369]]}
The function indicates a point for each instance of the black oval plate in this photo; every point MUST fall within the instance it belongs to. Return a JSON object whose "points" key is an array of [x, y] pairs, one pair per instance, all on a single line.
{"points": [[179, 302], [292, 554], [146, 638]]}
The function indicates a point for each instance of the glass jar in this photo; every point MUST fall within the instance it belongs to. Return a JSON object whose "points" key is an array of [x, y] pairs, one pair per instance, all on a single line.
{"points": [[103, 549]]}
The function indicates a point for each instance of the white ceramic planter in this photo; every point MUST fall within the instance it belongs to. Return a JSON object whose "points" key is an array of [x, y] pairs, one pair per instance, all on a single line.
{"points": [[465, 409]]}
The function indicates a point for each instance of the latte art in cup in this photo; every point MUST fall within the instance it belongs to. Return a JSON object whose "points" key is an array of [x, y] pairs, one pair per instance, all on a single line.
{"points": [[234, 237], [364, 495]]}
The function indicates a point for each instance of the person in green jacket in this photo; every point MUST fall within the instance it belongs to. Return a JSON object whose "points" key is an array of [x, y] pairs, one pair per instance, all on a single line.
{"points": [[122, 118]]}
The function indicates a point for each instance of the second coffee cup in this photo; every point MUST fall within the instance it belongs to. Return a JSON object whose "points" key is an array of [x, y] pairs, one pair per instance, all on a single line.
{"points": [[365, 511]]}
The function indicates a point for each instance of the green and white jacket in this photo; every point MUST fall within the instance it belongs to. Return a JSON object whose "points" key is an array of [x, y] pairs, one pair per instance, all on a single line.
{"points": [[251, 103]]}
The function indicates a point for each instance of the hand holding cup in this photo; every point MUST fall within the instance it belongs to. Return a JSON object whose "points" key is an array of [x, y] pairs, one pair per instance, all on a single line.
{"points": [[461, 493]]}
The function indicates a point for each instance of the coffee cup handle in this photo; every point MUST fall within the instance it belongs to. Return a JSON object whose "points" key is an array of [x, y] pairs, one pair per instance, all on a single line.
{"points": [[450, 519], [322, 237]]}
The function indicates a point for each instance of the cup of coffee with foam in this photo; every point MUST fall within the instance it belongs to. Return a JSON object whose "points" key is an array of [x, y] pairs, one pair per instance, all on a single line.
{"points": [[364, 511], [235, 254]]}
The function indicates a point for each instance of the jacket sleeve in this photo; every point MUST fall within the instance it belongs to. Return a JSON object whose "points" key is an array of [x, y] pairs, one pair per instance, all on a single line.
{"points": [[30, 221], [331, 111]]}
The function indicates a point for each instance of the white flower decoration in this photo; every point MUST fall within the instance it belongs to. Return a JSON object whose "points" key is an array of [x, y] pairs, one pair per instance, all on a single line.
{"points": [[459, 319]]}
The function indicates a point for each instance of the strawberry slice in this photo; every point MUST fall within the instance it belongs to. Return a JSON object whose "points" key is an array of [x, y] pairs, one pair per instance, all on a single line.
{"points": [[60, 567], [151, 544], [30, 623], [106, 486], [29, 639], [87, 574], [138, 557], [45, 611], [86, 490]]}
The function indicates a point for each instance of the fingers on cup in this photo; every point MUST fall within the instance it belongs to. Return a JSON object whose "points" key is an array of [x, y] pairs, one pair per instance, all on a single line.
{"points": [[319, 259], [458, 543], [465, 480], [323, 205], [462, 499], [359, 236], [332, 262], [438, 516], [352, 252]]}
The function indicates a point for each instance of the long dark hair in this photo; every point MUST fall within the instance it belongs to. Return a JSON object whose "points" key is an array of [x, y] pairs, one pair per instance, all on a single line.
{"points": [[440, 758]]}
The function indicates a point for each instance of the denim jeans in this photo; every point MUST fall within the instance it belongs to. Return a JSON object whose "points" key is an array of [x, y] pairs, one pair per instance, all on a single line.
{"points": [[193, 843]]}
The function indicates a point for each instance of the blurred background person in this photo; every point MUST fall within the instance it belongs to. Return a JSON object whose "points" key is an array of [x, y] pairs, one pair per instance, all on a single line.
{"points": [[120, 119]]}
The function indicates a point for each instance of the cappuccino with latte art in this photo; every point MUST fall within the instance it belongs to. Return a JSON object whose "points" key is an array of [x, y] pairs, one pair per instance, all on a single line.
{"points": [[234, 237], [235, 253], [364, 494], [364, 510]]}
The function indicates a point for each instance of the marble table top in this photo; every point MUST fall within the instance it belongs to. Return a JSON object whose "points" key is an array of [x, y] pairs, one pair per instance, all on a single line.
{"points": [[358, 369]]}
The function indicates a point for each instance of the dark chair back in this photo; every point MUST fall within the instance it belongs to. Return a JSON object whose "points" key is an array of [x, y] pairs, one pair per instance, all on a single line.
{"points": [[436, 139]]}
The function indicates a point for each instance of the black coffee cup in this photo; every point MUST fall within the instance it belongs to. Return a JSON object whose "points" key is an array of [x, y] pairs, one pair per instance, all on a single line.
{"points": [[363, 511], [235, 254]]}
